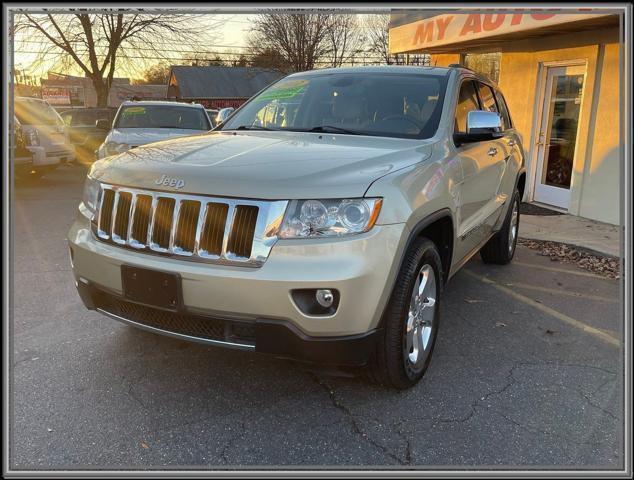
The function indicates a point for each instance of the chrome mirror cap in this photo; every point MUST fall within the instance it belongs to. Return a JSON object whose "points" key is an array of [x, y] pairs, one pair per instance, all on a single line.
{"points": [[480, 121]]}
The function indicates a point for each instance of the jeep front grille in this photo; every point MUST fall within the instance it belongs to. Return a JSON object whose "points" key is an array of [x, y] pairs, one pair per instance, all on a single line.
{"points": [[203, 228]]}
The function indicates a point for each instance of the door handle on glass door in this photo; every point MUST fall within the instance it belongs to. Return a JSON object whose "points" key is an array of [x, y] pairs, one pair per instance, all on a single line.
{"points": [[492, 151]]}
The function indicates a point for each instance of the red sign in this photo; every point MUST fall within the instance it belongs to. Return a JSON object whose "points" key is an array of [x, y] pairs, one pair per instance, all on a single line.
{"points": [[451, 29], [56, 95], [222, 102]]}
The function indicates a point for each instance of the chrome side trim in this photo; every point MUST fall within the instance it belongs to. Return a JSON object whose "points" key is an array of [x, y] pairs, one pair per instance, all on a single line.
{"points": [[181, 336]]}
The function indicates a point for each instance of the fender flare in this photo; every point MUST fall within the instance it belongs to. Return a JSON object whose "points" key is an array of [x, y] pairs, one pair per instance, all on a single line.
{"points": [[413, 234]]}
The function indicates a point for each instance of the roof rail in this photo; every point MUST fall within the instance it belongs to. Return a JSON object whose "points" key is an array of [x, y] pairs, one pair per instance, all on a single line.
{"points": [[458, 65]]}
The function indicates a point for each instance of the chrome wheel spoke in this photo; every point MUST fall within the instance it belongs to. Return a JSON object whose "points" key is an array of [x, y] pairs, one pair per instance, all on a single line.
{"points": [[425, 336], [419, 326]]}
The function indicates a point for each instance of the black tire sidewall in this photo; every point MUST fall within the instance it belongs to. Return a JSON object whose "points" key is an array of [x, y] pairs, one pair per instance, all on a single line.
{"points": [[421, 252]]}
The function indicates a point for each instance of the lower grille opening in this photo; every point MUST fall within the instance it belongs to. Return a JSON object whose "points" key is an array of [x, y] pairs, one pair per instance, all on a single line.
{"points": [[198, 326]]}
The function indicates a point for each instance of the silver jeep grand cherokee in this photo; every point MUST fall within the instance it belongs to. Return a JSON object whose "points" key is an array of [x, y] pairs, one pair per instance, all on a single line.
{"points": [[320, 222]]}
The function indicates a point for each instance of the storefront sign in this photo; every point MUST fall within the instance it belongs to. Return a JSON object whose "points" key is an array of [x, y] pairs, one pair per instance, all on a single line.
{"points": [[56, 95], [222, 102], [451, 29]]}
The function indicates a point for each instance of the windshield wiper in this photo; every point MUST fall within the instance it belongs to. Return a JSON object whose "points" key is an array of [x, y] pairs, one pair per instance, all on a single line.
{"points": [[333, 129], [251, 127]]}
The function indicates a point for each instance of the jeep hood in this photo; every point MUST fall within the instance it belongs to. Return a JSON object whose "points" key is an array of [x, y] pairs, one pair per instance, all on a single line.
{"points": [[263, 165]]}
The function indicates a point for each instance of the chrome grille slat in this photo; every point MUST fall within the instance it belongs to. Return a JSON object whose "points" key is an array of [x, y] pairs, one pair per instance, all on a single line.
{"points": [[122, 218], [140, 222], [131, 218], [187, 226], [105, 214], [113, 220]]}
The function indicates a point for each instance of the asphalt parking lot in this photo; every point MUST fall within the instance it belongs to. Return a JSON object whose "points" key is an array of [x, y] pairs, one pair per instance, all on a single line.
{"points": [[527, 373]]}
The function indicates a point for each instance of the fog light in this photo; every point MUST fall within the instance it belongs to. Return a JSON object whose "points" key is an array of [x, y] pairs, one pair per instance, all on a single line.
{"points": [[324, 297]]}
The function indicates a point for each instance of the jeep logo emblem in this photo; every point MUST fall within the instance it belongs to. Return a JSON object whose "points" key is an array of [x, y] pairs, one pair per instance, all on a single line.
{"points": [[166, 181]]}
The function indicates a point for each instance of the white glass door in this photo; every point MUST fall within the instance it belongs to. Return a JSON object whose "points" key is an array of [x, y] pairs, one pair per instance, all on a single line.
{"points": [[558, 134]]}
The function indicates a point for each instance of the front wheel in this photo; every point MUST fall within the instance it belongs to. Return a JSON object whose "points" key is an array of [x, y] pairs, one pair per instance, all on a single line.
{"points": [[500, 249], [410, 323]]}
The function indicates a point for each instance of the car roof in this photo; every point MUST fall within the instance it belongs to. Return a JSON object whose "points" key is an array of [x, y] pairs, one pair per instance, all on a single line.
{"points": [[402, 69], [161, 102], [406, 69]]}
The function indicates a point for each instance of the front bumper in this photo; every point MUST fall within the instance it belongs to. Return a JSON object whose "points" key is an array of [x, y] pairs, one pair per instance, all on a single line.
{"points": [[362, 268], [269, 336]]}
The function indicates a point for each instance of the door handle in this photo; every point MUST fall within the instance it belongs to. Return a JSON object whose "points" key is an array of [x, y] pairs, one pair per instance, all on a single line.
{"points": [[492, 151], [511, 143]]}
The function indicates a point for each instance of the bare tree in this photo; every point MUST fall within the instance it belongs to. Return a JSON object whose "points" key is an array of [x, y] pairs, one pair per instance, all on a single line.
{"points": [[377, 37], [344, 38], [376, 29], [97, 42], [301, 38]]}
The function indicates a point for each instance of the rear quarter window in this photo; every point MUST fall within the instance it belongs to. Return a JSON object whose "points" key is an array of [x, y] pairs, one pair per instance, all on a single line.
{"points": [[504, 111]]}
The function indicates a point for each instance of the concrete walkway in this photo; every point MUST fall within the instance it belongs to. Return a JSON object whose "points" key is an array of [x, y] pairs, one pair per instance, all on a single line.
{"points": [[603, 238]]}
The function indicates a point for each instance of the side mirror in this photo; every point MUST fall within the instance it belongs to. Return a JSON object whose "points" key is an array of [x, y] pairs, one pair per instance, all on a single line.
{"points": [[103, 124], [223, 114], [481, 126]]}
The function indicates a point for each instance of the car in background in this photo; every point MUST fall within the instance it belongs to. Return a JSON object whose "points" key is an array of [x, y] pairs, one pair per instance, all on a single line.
{"points": [[140, 123], [82, 128], [212, 113], [43, 127], [21, 156]]}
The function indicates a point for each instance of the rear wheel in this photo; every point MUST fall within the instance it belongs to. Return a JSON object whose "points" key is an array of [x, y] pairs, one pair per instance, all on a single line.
{"points": [[411, 319], [500, 249]]}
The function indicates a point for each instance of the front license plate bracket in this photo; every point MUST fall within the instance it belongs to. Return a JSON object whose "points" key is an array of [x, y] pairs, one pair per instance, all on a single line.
{"points": [[152, 287]]}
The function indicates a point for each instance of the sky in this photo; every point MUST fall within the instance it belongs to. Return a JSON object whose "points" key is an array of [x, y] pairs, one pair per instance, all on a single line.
{"points": [[228, 32], [233, 32]]}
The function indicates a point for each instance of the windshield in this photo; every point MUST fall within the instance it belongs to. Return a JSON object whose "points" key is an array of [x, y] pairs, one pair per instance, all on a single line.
{"points": [[162, 116], [382, 104], [34, 112]]}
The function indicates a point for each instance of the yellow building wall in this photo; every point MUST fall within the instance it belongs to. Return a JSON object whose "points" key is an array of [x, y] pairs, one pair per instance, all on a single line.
{"points": [[600, 190], [595, 179], [444, 59]]}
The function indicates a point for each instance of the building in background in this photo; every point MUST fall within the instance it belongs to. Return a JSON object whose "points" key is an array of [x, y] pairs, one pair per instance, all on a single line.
{"points": [[64, 91], [218, 87], [560, 75]]}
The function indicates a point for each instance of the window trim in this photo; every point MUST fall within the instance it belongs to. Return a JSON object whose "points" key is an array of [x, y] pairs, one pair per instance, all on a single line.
{"points": [[497, 92]]}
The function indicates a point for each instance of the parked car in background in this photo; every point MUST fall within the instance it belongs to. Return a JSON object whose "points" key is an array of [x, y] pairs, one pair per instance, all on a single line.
{"points": [[82, 128], [21, 156], [320, 222], [224, 114], [139, 123], [42, 126], [212, 113]]}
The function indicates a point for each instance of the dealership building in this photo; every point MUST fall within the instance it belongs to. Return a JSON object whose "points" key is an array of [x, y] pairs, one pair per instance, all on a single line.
{"points": [[218, 87], [560, 74]]}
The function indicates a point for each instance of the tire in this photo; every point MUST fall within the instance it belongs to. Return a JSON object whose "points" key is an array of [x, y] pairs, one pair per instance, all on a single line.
{"points": [[394, 363], [500, 249]]}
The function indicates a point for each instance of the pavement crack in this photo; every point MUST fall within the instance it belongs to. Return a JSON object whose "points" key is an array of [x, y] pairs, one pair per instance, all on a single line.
{"points": [[510, 380], [230, 442], [356, 427], [591, 403]]}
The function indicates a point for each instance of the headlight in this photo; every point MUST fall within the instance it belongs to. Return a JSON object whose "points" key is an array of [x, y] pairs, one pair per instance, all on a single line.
{"points": [[113, 148], [91, 192], [329, 218]]}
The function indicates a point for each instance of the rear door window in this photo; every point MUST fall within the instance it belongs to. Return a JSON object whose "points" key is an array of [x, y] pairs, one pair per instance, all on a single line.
{"points": [[467, 102], [504, 111], [487, 98]]}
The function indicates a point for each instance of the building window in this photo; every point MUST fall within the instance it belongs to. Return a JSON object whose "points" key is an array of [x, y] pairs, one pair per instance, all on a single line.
{"points": [[487, 64]]}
